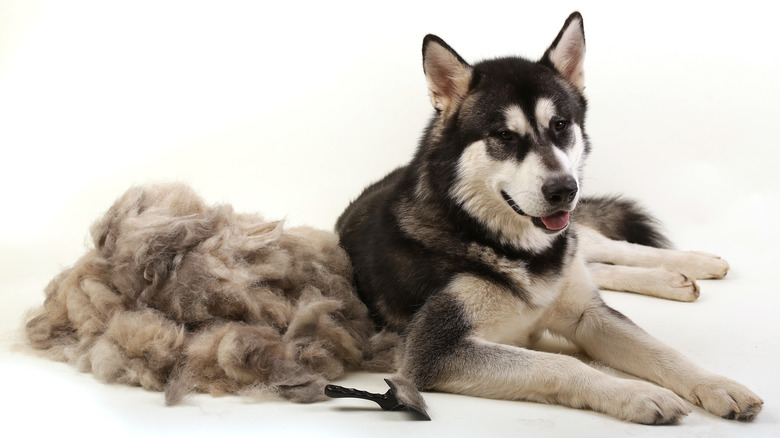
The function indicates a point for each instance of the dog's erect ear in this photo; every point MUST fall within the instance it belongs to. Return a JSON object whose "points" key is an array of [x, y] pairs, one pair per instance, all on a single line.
{"points": [[567, 52], [448, 75]]}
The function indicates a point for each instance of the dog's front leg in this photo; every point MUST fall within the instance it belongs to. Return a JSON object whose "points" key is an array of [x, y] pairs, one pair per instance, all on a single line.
{"points": [[606, 335], [443, 352]]}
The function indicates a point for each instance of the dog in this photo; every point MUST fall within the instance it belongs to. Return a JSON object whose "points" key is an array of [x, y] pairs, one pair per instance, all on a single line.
{"points": [[483, 243]]}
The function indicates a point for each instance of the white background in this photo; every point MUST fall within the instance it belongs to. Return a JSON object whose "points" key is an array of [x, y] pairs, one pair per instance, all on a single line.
{"points": [[291, 109]]}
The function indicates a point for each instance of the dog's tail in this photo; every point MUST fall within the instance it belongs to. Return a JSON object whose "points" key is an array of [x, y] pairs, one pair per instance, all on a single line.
{"points": [[621, 219]]}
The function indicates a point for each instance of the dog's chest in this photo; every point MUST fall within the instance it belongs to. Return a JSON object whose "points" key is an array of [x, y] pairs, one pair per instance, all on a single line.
{"points": [[500, 315]]}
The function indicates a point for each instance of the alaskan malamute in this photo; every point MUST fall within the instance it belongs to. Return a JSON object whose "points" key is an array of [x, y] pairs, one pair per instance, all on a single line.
{"points": [[482, 243]]}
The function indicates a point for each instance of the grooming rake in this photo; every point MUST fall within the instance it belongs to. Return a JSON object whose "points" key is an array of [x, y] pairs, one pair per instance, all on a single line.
{"points": [[389, 401]]}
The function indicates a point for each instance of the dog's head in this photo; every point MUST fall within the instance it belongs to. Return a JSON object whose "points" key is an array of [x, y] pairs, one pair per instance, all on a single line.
{"points": [[513, 133]]}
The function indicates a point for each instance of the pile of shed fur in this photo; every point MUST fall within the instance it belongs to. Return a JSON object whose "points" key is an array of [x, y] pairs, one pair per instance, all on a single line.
{"points": [[183, 297]]}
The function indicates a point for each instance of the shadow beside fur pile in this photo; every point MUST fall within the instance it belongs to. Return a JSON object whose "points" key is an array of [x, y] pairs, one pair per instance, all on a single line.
{"points": [[183, 297]]}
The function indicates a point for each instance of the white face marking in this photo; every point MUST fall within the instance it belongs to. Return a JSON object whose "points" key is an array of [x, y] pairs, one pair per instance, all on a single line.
{"points": [[578, 150], [544, 112], [571, 159], [478, 189], [525, 185], [517, 121]]}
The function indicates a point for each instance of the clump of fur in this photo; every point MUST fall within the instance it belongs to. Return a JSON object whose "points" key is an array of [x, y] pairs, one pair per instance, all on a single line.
{"points": [[183, 297]]}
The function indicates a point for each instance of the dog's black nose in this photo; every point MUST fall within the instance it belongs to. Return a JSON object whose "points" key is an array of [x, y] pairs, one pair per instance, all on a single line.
{"points": [[560, 189]]}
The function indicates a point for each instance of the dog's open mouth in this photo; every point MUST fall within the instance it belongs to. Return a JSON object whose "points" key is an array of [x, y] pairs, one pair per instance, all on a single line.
{"points": [[554, 222]]}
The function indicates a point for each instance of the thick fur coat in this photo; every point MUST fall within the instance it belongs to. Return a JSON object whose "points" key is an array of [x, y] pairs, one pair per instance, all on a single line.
{"points": [[181, 297]]}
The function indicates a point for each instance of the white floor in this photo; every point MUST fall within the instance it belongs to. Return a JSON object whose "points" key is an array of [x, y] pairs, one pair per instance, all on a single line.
{"points": [[291, 110]]}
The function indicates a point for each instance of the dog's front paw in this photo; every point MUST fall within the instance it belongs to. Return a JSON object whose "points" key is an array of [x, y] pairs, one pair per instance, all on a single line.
{"points": [[650, 404], [676, 286], [727, 398]]}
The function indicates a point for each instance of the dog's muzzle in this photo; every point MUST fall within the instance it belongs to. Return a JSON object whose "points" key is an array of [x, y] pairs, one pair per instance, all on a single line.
{"points": [[553, 223]]}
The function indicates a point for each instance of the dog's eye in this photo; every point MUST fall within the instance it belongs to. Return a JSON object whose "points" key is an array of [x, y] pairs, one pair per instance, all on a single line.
{"points": [[505, 135], [559, 125]]}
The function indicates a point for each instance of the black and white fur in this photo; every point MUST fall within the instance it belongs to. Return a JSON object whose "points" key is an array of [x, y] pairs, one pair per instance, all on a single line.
{"points": [[475, 249]]}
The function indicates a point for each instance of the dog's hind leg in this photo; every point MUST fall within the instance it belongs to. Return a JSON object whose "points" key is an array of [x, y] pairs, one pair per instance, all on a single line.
{"points": [[656, 282], [694, 265]]}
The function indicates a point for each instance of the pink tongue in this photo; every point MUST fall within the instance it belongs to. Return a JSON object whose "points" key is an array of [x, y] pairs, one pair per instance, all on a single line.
{"points": [[556, 221]]}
